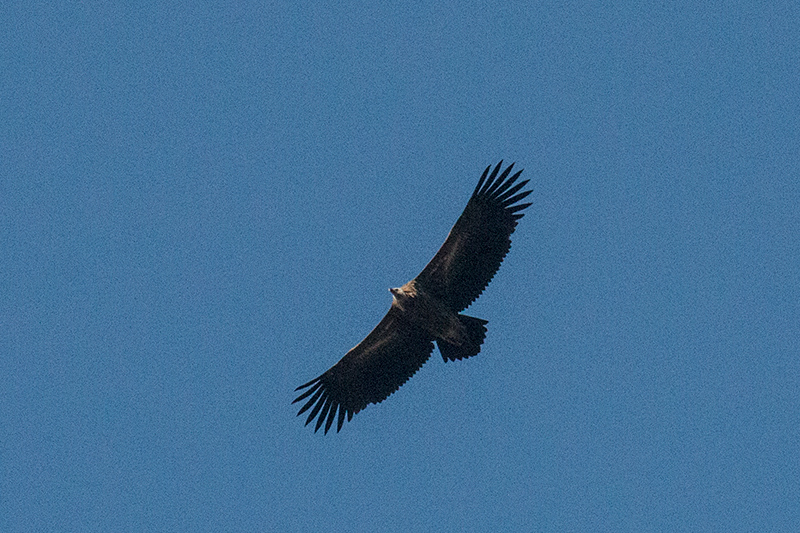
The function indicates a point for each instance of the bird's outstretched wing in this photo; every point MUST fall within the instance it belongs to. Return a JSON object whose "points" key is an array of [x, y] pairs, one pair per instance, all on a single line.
{"points": [[478, 242], [369, 373]]}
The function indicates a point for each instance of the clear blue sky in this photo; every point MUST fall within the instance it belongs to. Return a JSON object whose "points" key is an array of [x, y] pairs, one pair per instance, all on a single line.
{"points": [[202, 207]]}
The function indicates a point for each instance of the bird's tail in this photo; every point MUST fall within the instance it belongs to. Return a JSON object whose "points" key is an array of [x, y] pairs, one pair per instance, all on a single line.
{"points": [[475, 332]]}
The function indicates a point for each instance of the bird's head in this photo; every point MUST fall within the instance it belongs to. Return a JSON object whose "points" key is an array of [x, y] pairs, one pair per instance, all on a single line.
{"points": [[398, 296]]}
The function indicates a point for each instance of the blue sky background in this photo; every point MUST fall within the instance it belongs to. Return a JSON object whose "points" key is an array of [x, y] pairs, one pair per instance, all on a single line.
{"points": [[202, 206]]}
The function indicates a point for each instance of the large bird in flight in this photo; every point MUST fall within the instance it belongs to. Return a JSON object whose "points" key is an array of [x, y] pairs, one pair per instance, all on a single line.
{"points": [[427, 308]]}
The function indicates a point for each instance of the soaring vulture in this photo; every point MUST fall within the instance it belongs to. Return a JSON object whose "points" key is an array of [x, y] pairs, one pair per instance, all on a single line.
{"points": [[426, 309]]}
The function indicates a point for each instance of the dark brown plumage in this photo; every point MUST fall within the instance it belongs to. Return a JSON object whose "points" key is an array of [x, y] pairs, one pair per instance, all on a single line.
{"points": [[426, 309]]}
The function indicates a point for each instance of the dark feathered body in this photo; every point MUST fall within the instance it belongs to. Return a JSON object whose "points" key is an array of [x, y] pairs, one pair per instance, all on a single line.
{"points": [[438, 321], [429, 314], [426, 309]]}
